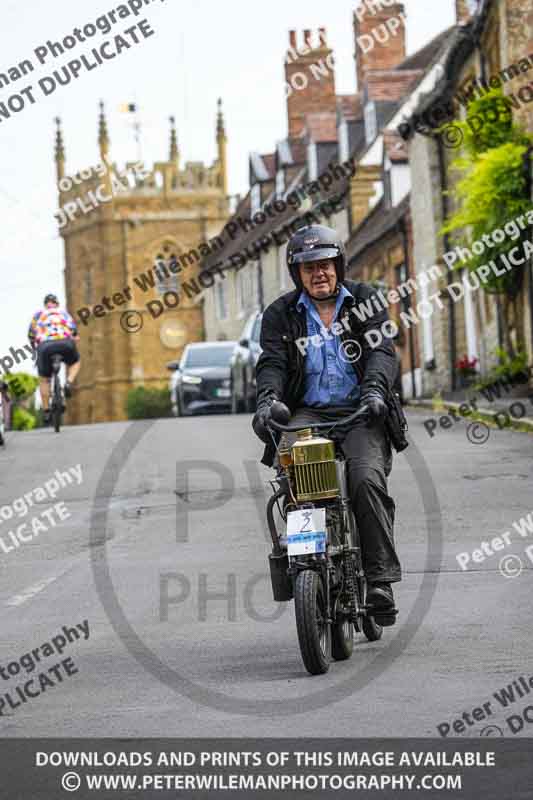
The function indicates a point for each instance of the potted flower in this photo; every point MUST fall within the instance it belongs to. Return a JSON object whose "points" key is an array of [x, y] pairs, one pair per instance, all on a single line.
{"points": [[466, 369]]}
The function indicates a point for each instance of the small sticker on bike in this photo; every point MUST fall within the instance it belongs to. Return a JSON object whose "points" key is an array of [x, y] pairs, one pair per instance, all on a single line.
{"points": [[306, 531]]}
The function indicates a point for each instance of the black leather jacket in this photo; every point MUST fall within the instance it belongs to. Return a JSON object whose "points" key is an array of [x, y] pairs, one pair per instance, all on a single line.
{"points": [[281, 365]]}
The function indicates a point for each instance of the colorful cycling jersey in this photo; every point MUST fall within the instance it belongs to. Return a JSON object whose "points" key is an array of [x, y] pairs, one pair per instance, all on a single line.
{"points": [[51, 324]]}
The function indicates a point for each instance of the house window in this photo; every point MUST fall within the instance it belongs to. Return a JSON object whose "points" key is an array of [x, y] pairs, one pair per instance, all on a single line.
{"points": [[255, 198], [371, 122], [344, 141], [166, 279], [221, 308], [312, 161]]}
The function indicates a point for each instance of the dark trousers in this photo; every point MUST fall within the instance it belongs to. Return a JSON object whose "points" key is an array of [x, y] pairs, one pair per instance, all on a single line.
{"points": [[369, 461]]}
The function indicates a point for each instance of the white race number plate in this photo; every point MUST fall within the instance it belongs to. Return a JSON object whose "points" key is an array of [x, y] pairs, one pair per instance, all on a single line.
{"points": [[306, 531]]}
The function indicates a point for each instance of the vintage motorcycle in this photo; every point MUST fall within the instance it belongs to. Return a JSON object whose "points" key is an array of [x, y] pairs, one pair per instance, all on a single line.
{"points": [[318, 561]]}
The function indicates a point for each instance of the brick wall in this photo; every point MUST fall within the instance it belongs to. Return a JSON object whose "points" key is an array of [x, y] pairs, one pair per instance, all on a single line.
{"points": [[384, 85]]}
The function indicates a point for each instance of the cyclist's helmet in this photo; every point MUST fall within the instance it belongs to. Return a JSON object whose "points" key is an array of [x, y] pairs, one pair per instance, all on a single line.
{"points": [[51, 298], [314, 243]]}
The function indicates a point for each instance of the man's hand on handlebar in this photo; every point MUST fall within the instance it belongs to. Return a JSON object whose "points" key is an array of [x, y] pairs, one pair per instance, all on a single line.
{"points": [[377, 408], [263, 417]]}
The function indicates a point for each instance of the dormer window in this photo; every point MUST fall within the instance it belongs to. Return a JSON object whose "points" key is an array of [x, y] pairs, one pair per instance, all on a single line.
{"points": [[280, 183], [255, 198], [371, 122]]}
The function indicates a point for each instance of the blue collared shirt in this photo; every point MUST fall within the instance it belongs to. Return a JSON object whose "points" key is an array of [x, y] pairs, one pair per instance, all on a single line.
{"points": [[330, 380]]}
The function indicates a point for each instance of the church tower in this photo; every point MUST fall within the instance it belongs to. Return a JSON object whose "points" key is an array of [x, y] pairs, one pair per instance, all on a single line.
{"points": [[118, 225]]}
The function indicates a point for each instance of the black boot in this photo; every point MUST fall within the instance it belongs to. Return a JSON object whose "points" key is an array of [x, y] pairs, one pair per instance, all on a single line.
{"points": [[380, 601]]}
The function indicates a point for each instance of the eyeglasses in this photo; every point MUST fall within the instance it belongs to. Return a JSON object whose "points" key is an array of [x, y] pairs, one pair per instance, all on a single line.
{"points": [[318, 266]]}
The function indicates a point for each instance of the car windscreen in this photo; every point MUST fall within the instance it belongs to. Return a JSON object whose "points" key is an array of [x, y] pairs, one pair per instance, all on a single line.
{"points": [[208, 357]]}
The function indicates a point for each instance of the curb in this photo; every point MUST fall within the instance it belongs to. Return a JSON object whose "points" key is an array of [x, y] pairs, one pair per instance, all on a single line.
{"points": [[523, 425]]}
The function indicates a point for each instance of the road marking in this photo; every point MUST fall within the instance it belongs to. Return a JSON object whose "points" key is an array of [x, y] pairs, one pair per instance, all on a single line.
{"points": [[31, 591]]}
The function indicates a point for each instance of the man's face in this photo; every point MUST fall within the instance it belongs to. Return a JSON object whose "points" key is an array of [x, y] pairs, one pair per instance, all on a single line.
{"points": [[319, 278]]}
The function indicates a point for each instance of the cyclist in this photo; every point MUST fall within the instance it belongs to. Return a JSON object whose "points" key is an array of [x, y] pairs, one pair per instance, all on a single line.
{"points": [[53, 331]]}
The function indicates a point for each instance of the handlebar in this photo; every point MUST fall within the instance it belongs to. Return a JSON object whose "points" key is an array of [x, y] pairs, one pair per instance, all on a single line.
{"points": [[359, 414]]}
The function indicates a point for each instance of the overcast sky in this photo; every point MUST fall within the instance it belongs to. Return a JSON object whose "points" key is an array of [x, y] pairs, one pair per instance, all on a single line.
{"points": [[200, 51]]}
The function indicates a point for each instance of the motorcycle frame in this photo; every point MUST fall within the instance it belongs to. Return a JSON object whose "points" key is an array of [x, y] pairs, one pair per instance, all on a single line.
{"points": [[324, 563]]}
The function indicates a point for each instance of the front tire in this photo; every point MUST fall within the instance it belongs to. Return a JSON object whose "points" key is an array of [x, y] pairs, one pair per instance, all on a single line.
{"points": [[311, 622]]}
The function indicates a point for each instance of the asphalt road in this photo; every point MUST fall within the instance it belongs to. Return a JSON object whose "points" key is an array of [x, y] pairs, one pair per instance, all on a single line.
{"points": [[220, 657]]}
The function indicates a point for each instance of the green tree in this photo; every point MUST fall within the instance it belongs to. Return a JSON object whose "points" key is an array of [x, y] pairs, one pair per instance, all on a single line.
{"points": [[144, 403], [493, 189], [21, 385]]}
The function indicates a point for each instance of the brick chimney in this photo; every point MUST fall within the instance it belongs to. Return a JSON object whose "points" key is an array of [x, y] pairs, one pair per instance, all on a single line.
{"points": [[310, 78], [379, 31]]}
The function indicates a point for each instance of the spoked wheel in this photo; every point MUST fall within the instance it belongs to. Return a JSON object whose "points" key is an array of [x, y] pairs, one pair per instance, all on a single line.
{"points": [[311, 622], [342, 639]]}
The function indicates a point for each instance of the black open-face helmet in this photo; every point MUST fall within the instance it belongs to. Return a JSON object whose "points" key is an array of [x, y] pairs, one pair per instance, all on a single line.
{"points": [[315, 243], [50, 298]]}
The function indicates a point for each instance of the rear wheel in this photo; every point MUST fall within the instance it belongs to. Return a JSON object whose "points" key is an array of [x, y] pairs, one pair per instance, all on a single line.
{"points": [[311, 622], [57, 409], [342, 639]]}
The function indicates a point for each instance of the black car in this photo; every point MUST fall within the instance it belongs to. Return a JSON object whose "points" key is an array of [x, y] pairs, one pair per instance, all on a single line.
{"points": [[243, 363], [201, 382]]}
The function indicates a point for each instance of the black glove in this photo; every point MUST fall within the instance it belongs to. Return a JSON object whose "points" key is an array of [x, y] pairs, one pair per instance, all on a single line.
{"points": [[377, 406], [261, 417]]}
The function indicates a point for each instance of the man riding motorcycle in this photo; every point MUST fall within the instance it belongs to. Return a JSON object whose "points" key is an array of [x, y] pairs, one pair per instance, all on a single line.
{"points": [[317, 361], [52, 330]]}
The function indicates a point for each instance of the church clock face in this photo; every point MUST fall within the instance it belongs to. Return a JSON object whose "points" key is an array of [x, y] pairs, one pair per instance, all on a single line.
{"points": [[172, 334]]}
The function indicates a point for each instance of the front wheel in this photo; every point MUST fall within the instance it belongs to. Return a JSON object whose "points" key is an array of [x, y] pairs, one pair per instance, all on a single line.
{"points": [[311, 622]]}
